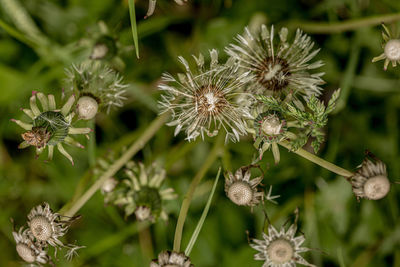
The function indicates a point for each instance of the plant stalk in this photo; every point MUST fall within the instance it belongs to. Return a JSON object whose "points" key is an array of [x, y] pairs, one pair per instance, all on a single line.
{"points": [[347, 25], [216, 150], [132, 150], [317, 160]]}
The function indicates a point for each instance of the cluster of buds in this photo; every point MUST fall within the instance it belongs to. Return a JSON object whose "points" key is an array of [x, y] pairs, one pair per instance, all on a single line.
{"points": [[140, 192], [44, 229]]}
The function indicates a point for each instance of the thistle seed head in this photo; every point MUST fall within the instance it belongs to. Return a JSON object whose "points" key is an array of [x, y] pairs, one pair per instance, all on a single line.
{"points": [[392, 50], [376, 187], [41, 228], [370, 181], [87, 107], [280, 251], [240, 193], [26, 253]]}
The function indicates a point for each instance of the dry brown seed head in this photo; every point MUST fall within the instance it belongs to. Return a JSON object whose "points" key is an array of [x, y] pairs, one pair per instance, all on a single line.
{"points": [[272, 73], [209, 101]]}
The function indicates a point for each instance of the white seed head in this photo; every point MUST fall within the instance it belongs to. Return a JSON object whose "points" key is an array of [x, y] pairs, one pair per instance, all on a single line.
{"points": [[377, 187], [41, 228], [26, 253], [280, 251], [99, 51], [392, 49], [240, 193], [271, 125], [143, 213], [87, 107]]}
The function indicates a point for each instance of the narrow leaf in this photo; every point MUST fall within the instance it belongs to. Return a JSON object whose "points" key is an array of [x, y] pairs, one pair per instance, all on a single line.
{"points": [[132, 14], [202, 218]]}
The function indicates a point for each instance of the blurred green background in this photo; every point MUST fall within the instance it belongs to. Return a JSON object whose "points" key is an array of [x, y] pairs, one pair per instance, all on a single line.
{"points": [[342, 231]]}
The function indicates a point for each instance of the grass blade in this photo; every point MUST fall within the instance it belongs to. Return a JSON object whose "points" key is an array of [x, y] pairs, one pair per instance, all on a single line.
{"points": [[132, 14], [202, 218]]}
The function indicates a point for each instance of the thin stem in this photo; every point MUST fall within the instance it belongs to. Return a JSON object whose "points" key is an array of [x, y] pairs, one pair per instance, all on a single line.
{"points": [[216, 150], [92, 143], [132, 150], [317, 160], [347, 25]]}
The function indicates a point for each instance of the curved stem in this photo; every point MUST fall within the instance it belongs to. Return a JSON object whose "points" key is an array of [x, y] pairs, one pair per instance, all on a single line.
{"points": [[189, 194], [347, 25], [317, 160], [132, 150]]}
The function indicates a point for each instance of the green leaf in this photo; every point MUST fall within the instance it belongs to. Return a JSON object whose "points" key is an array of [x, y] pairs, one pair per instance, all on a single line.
{"points": [[202, 218], [132, 14]]}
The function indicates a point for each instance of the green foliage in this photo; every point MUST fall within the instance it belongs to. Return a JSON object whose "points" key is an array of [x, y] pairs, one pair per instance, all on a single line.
{"points": [[350, 233]]}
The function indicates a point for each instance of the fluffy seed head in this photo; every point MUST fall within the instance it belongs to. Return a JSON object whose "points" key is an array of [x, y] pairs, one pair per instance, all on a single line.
{"points": [[280, 251], [376, 187], [87, 107], [207, 99], [392, 49], [41, 228], [240, 193], [280, 67]]}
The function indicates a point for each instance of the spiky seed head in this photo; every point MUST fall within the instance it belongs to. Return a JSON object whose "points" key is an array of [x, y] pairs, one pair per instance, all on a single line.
{"points": [[26, 253], [41, 228], [240, 193], [392, 49], [280, 251], [377, 187], [87, 107]]}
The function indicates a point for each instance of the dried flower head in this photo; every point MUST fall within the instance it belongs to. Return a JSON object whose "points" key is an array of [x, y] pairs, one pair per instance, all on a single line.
{"points": [[371, 181], [280, 67], [391, 49], [171, 259], [208, 99], [281, 249], [94, 80], [50, 127], [141, 193], [46, 226], [241, 189], [27, 249]]}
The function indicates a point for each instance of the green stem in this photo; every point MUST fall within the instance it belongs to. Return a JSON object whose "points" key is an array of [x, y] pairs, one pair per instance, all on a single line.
{"points": [[317, 160], [92, 144], [347, 25], [216, 150], [132, 150]]}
